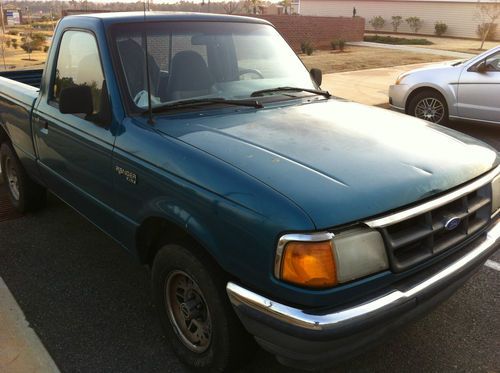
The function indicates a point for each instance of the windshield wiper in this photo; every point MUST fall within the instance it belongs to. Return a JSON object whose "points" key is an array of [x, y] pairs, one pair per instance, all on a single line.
{"points": [[290, 89], [207, 101]]}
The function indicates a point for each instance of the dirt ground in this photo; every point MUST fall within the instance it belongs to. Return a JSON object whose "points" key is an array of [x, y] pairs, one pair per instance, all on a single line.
{"points": [[360, 58], [449, 44]]}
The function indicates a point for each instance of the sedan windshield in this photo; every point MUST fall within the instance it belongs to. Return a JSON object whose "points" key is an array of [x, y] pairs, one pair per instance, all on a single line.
{"points": [[197, 60]]}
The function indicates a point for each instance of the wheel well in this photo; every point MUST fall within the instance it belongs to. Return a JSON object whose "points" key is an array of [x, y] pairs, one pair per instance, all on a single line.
{"points": [[152, 231], [419, 90], [3, 136]]}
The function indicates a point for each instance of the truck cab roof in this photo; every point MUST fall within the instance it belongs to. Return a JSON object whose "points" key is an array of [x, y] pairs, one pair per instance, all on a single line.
{"points": [[133, 17]]}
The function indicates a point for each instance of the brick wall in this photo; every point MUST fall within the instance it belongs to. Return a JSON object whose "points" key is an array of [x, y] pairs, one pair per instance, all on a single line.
{"points": [[319, 30]]}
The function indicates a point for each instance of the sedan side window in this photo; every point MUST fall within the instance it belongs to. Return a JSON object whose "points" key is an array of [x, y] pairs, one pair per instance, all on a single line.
{"points": [[493, 62]]}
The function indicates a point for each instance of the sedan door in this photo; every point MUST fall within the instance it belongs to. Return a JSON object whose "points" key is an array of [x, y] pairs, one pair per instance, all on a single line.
{"points": [[479, 90]]}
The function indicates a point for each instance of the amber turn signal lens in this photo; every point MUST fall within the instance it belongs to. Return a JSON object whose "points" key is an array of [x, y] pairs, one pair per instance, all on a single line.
{"points": [[309, 264]]}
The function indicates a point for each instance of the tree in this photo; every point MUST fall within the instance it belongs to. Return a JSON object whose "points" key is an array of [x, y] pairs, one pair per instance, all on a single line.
{"points": [[255, 4], [377, 22], [487, 14], [415, 23], [231, 7], [287, 4], [396, 22]]}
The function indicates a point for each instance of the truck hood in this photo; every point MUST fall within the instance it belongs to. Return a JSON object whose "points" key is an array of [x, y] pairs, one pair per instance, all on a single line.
{"points": [[339, 161]]}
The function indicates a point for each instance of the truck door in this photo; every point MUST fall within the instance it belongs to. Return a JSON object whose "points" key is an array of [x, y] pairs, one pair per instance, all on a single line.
{"points": [[75, 150], [479, 91]]}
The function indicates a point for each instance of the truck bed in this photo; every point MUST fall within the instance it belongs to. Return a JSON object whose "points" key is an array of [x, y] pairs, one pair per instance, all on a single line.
{"points": [[30, 77]]}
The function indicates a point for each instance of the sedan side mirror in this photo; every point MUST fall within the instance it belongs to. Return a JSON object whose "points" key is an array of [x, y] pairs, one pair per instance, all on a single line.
{"points": [[76, 100], [316, 76]]}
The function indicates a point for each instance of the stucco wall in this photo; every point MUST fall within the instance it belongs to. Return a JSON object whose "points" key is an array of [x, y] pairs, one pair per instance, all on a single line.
{"points": [[460, 17], [319, 30]]}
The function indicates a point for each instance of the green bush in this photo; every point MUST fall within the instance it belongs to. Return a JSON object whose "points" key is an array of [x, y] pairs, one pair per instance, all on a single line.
{"points": [[415, 23], [14, 44], [307, 47], [440, 28], [341, 44], [396, 22], [46, 48], [396, 41], [7, 43], [13, 32], [377, 22]]}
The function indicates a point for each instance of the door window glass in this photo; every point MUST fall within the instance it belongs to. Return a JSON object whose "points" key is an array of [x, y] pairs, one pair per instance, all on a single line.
{"points": [[493, 62], [78, 63]]}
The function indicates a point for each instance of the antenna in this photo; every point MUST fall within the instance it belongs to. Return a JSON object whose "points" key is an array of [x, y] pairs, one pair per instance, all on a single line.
{"points": [[146, 56]]}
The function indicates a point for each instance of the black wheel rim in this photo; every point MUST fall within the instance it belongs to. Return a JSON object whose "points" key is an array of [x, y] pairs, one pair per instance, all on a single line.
{"points": [[430, 109], [188, 311]]}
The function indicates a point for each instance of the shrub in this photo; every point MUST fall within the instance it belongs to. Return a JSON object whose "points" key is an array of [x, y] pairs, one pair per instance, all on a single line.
{"points": [[482, 29], [46, 48], [396, 41], [415, 23], [14, 44], [334, 44], [377, 22], [13, 32], [307, 47], [396, 22], [341, 43], [7, 43], [440, 28]]}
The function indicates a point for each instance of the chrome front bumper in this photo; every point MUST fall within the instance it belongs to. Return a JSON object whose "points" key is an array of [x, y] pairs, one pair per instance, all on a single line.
{"points": [[291, 329]]}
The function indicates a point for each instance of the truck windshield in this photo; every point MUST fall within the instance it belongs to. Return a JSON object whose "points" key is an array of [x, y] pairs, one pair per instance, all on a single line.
{"points": [[196, 60]]}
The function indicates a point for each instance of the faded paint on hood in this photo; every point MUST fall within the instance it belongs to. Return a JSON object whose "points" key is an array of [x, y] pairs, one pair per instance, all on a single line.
{"points": [[339, 161]]}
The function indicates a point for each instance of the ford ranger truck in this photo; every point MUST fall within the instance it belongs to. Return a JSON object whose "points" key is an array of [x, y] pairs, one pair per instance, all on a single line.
{"points": [[270, 212]]}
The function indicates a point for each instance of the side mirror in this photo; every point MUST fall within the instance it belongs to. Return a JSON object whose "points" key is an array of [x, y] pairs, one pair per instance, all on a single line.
{"points": [[482, 68], [316, 76], [76, 100]]}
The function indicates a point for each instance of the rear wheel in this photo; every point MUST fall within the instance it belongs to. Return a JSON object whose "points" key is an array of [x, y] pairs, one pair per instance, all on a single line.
{"points": [[189, 292], [429, 105], [24, 193]]}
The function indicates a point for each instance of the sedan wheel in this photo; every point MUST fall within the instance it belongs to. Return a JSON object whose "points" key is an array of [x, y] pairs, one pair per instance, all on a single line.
{"points": [[429, 105], [430, 109]]}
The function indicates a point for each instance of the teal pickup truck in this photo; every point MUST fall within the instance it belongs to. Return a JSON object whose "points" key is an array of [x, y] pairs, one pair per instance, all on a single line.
{"points": [[268, 211]]}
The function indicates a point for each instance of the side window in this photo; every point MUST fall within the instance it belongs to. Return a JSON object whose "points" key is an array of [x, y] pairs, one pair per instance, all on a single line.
{"points": [[78, 63], [493, 62]]}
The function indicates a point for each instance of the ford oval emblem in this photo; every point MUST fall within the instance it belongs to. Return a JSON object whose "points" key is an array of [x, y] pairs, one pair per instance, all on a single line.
{"points": [[452, 223]]}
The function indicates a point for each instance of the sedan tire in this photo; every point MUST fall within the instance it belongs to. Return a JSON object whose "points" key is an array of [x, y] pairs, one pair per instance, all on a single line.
{"points": [[429, 105]]}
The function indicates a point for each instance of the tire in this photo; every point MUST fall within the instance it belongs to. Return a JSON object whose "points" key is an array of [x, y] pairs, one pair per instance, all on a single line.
{"points": [[429, 105], [24, 193], [224, 343]]}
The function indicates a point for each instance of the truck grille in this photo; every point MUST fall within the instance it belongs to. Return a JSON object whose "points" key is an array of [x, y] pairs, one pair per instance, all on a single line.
{"points": [[411, 241]]}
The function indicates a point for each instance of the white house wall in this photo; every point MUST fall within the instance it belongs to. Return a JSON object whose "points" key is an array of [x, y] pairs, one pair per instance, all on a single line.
{"points": [[461, 18]]}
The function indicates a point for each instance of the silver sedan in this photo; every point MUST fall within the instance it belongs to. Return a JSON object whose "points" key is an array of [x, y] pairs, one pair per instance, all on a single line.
{"points": [[465, 90]]}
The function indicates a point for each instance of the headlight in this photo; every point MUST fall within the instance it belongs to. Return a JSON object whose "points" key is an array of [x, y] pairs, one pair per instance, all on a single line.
{"points": [[322, 260], [495, 190], [401, 77]]}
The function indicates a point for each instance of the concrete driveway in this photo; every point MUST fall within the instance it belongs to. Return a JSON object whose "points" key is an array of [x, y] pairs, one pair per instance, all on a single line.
{"points": [[368, 87]]}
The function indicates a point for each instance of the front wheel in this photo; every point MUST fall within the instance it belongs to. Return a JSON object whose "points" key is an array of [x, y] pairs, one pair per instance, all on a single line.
{"points": [[24, 193], [189, 292], [429, 105]]}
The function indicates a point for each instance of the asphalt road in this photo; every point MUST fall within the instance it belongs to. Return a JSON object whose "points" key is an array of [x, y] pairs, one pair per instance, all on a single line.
{"points": [[90, 304]]}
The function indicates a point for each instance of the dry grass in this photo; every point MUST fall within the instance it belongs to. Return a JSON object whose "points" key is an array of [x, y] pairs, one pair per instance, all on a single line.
{"points": [[18, 58], [360, 58], [449, 44]]}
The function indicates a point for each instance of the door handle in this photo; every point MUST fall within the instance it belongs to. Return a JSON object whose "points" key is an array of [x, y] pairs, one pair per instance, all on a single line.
{"points": [[45, 128]]}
